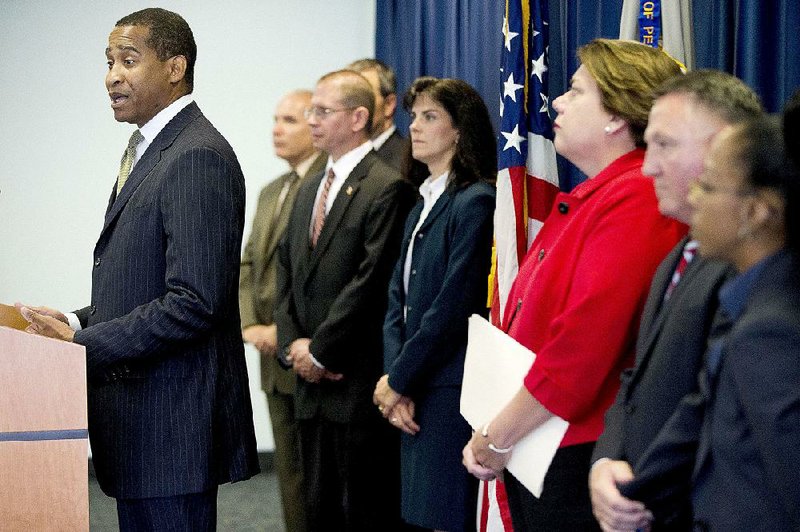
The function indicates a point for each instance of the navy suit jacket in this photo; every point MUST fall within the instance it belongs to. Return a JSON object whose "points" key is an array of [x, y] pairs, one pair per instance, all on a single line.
{"points": [[669, 352], [736, 439], [335, 293], [169, 405], [447, 283]]}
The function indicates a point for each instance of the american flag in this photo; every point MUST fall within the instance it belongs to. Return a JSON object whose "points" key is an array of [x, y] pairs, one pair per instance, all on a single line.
{"points": [[527, 179]]}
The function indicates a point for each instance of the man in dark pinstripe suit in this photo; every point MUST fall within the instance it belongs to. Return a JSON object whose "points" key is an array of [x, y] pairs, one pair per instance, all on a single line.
{"points": [[169, 407]]}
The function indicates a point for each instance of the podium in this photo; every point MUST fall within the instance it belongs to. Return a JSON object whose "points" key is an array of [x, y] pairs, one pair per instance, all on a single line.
{"points": [[43, 434]]}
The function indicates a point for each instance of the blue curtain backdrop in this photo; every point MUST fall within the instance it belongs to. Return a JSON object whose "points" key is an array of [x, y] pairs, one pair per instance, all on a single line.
{"points": [[757, 40]]}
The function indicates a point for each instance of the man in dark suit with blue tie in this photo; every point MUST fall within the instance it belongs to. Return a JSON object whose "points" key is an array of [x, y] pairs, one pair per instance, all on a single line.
{"points": [[334, 264], [678, 315], [169, 407]]}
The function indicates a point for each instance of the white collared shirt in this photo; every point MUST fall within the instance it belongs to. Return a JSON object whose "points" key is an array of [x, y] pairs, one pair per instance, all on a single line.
{"points": [[380, 140], [341, 169], [430, 190], [154, 126]]}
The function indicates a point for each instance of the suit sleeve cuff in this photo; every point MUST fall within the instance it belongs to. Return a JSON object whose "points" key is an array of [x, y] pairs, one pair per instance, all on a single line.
{"points": [[73, 321]]}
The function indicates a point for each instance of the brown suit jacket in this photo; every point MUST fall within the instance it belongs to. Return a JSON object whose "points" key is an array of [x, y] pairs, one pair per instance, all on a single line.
{"points": [[257, 281]]}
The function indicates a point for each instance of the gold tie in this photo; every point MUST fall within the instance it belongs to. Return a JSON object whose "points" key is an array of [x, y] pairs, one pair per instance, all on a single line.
{"points": [[319, 216], [127, 159]]}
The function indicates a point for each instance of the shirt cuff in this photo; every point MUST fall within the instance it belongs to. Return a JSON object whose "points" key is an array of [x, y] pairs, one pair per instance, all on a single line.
{"points": [[73, 321], [315, 361]]}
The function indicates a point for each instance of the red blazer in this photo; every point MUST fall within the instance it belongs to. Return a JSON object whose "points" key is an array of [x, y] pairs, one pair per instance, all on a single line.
{"points": [[580, 291]]}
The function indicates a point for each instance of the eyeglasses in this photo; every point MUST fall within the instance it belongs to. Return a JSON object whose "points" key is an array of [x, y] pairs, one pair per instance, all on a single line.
{"points": [[321, 113], [707, 188]]}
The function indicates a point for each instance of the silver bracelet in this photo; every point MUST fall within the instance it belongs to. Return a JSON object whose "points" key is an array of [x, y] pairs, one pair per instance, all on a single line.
{"points": [[498, 450]]}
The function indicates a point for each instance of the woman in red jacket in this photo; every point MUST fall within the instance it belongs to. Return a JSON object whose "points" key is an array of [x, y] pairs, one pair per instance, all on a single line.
{"points": [[579, 293]]}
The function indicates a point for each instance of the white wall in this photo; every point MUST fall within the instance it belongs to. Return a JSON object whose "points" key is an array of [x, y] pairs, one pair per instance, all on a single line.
{"points": [[60, 146]]}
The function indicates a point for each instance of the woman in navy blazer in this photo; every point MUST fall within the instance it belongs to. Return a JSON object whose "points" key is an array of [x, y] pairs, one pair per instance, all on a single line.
{"points": [[439, 281]]}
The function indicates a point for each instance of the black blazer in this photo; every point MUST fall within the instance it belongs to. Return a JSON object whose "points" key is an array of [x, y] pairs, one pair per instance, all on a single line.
{"points": [[335, 294], [736, 438], [669, 351], [169, 404], [394, 150]]}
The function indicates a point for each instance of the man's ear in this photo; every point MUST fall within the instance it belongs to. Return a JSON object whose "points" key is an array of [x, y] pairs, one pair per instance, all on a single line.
{"points": [[360, 118], [177, 68], [390, 105]]}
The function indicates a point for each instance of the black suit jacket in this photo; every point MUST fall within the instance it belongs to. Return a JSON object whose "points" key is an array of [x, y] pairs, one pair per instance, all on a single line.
{"points": [[258, 273], [669, 351], [739, 433], [169, 406], [335, 294], [393, 151]]}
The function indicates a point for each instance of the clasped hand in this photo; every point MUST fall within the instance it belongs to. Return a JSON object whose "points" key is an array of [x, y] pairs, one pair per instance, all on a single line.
{"points": [[395, 408], [300, 357]]}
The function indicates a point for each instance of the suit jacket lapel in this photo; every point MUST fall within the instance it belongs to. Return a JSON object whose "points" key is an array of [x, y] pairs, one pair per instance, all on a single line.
{"points": [[437, 209], [340, 204], [149, 159], [655, 309]]}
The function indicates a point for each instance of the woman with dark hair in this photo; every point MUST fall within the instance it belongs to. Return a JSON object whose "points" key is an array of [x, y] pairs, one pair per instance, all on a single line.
{"points": [[746, 471], [577, 299], [439, 281]]}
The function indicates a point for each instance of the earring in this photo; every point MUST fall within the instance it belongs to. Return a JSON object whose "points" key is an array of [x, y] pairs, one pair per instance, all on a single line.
{"points": [[607, 129]]}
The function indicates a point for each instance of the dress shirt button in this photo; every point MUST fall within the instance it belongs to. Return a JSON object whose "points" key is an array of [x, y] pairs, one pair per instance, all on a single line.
{"points": [[92, 309], [541, 255], [97, 262], [563, 207], [630, 408]]}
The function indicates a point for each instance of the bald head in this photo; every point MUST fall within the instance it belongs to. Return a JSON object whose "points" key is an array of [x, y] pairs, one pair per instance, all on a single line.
{"points": [[291, 136]]}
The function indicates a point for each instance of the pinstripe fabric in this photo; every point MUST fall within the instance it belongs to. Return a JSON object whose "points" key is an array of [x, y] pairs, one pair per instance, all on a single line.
{"points": [[196, 512], [169, 406]]}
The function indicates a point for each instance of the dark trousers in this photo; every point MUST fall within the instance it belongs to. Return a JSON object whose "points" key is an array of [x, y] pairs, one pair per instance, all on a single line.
{"points": [[564, 504], [195, 512], [288, 465], [352, 475]]}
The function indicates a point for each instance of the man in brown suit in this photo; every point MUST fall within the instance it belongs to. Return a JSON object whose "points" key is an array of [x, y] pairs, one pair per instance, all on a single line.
{"points": [[291, 138]]}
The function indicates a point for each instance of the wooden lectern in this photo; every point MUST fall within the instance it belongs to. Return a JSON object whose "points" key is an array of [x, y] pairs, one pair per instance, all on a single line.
{"points": [[43, 434]]}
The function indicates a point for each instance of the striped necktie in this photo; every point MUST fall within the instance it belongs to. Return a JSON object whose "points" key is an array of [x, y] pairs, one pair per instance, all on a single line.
{"points": [[127, 159], [689, 251], [319, 210]]}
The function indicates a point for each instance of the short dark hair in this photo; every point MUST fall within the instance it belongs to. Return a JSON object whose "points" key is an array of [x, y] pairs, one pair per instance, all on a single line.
{"points": [[759, 150], [476, 152], [170, 35], [386, 77], [791, 135], [718, 92]]}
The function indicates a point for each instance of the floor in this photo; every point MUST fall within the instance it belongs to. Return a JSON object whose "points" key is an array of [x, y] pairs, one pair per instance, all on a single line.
{"points": [[250, 506]]}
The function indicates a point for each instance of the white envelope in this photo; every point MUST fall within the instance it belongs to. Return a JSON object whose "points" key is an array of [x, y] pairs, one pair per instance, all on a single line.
{"points": [[494, 369]]}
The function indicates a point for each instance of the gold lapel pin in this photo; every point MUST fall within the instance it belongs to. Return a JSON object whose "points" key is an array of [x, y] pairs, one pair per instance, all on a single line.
{"points": [[349, 191]]}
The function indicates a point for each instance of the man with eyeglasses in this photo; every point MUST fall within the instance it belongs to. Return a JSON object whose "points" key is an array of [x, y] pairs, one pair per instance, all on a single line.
{"points": [[689, 111], [386, 141], [291, 138], [340, 245]]}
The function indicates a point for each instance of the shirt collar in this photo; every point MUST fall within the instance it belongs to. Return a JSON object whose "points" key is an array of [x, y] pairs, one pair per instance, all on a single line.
{"points": [[302, 168], [734, 294], [379, 141], [154, 126], [349, 160], [432, 188]]}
